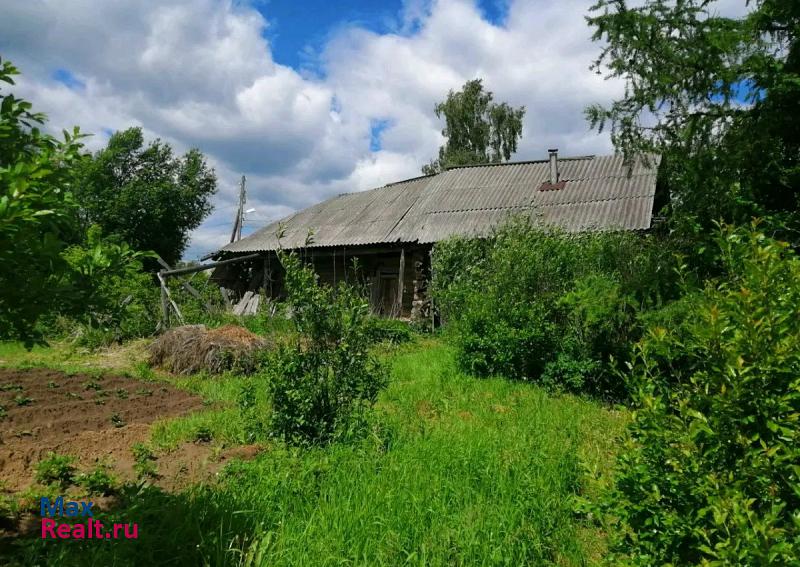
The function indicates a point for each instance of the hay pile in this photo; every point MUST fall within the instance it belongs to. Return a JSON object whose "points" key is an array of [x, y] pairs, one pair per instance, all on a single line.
{"points": [[193, 348]]}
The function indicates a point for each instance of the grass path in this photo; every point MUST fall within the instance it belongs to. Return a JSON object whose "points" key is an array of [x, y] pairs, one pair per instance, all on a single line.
{"points": [[456, 471]]}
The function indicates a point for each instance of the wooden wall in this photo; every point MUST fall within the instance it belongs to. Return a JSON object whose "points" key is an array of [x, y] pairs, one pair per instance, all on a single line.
{"points": [[378, 270], [376, 267]]}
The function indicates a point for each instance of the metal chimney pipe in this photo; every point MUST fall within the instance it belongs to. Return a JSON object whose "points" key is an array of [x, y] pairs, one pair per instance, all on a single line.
{"points": [[553, 165]]}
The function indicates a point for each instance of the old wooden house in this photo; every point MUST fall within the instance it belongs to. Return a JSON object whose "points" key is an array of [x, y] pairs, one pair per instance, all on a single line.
{"points": [[392, 230]]}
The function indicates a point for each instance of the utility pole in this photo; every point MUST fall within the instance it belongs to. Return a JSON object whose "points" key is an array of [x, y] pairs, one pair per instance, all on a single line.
{"points": [[237, 225]]}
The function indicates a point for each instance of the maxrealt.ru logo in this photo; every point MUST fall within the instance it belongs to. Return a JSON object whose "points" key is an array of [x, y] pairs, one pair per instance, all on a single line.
{"points": [[90, 529]]}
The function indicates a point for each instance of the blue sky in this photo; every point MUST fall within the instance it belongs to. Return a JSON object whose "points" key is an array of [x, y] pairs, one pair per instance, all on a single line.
{"points": [[307, 99], [299, 28]]}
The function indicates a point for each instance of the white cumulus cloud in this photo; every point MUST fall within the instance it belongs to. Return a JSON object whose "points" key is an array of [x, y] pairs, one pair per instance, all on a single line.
{"points": [[200, 73]]}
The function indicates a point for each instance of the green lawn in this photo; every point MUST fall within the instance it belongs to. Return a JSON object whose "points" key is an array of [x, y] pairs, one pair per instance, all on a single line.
{"points": [[456, 471]]}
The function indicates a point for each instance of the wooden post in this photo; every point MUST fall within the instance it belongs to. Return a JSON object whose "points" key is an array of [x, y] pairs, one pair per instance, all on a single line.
{"points": [[165, 293], [186, 285], [266, 275], [227, 298], [269, 271], [430, 293], [401, 282], [164, 303]]}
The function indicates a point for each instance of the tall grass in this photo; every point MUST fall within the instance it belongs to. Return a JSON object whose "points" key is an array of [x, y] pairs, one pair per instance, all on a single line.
{"points": [[457, 471]]}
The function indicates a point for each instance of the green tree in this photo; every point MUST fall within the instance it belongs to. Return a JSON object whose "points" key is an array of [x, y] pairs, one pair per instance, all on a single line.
{"points": [[718, 97], [477, 129], [112, 297], [709, 474], [145, 194], [36, 213]]}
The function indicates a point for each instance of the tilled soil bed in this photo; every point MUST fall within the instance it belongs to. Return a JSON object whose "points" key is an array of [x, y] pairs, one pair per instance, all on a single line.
{"points": [[95, 419]]}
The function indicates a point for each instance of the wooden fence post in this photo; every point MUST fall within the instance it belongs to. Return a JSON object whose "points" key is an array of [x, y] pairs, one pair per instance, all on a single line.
{"points": [[401, 283], [164, 303]]}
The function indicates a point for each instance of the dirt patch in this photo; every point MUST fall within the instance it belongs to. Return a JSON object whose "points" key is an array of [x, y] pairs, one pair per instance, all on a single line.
{"points": [[95, 419], [426, 410], [192, 463]]}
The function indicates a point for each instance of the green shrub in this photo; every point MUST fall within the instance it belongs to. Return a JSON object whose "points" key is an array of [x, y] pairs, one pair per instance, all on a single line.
{"points": [[203, 434], [98, 482], [145, 462], [37, 212], [393, 331], [568, 373], [247, 403], [56, 470], [514, 340], [114, 298], [322, 384], [265, 323], [709, 474], [544, 305]]}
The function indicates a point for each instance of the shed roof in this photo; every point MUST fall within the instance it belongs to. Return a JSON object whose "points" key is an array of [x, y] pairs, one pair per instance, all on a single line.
{"points": [[599, 193]]}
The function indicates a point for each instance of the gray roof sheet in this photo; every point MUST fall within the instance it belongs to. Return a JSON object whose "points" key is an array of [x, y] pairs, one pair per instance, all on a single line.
{"points": [[601, 193]]}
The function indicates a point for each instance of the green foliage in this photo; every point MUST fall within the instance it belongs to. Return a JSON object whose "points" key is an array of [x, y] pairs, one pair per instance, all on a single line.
{"points": [[477, 129], [384, 330], [253, 424], [98, 482], [21, 400], [113, 298], [718, 97], [323, 383], [144, 462], [36, 213], [117, 420], [146, 195], [56, 470], [710, 471], [543, 305], [203, 434], [265, 324]]}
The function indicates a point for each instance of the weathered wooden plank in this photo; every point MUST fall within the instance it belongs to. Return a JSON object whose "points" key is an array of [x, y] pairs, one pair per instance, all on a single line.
{"points": [[210, 265], [398, 308], [165, 290], [242, 305], [187, 286], [164, 305]]}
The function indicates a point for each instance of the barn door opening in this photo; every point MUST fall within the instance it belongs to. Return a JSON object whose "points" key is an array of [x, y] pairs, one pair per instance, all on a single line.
{"points": [[387, 294]]}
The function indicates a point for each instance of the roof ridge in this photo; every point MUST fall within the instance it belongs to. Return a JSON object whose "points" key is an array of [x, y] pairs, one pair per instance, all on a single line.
{"points": [[521, 162], [409, 179]]}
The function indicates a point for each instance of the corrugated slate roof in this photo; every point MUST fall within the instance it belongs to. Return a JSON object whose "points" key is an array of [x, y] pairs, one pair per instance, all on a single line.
{"points": [[600, 193]]}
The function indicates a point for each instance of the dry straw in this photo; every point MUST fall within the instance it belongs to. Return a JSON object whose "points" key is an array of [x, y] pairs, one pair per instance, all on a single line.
{"points": [[194, 348]]}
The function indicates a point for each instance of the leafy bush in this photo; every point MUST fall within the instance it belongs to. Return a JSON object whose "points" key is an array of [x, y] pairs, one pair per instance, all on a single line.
{"points": [[322, 384], [710, 471], [36, 213], [543, 305], [98, 481], [145, 462], [248, 410], [382, 330], [114, 298], [56, 470]]}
